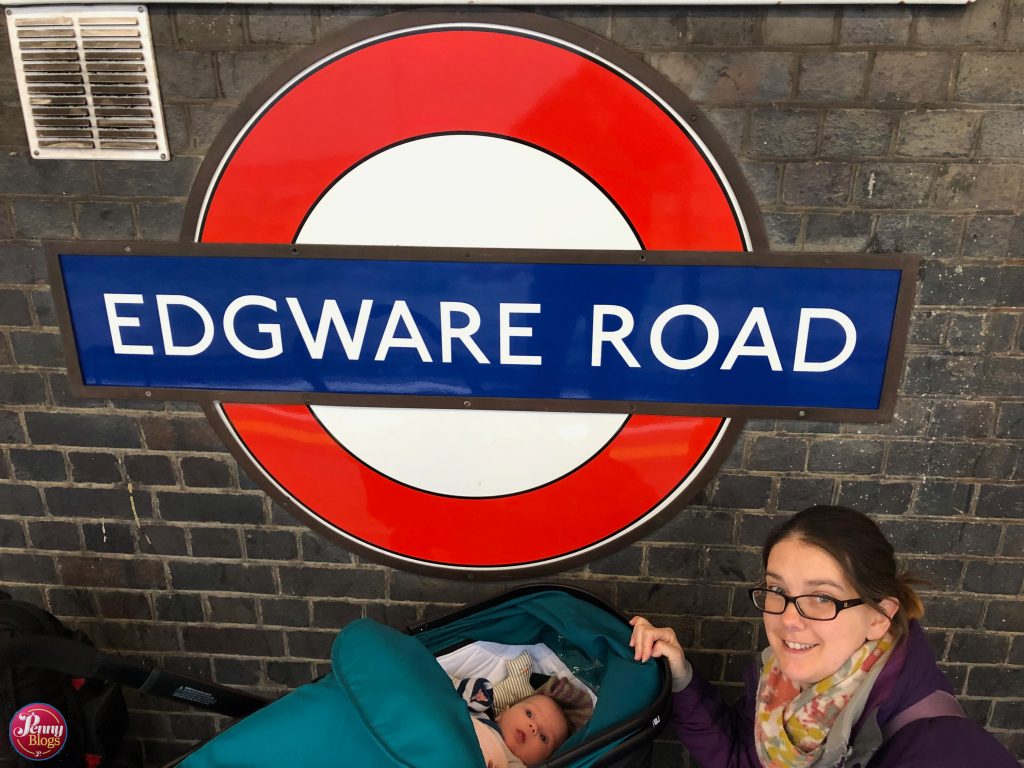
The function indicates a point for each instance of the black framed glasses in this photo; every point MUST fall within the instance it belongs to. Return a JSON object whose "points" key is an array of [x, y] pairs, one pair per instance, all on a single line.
{"points": [[813, 607]]}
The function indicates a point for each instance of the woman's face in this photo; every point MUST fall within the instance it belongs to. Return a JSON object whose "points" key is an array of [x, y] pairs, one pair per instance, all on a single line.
{"points": [[809, 651]]}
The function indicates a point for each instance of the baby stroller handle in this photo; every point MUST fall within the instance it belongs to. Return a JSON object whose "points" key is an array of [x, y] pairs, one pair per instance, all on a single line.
{"points": [[80, 660]]}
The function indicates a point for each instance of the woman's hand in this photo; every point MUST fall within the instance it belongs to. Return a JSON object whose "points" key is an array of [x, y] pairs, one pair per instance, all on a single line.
{"points": [[649, 641]]}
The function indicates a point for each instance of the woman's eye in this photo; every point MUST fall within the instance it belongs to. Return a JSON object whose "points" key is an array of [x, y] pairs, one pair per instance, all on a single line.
{"points": [[776, 590], [822, 599]]}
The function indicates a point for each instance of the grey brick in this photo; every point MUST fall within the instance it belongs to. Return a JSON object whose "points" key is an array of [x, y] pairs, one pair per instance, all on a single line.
{"points": [[798, 493], [1004, 616], [54, 535], [937, 133], [722, 26], [730, 123], [23, 568], [894, 185], [34, 177], [845, 456], [205, 121], [875, 497], [232, 610], [224, 577], [994, 578], [991, 77], [160, 221], [14, 308], [648, 28], [42, 218], [170, 179], [886, 25], [185, 75], [817, 184], [1000, 501], [962, 419], [99, 430], [917, 234], [42, 305], [236, 671], [930, 537], [832, 76], [295, 612], [764, 180], [37, 348], [38, 465], [741, 492], [105, 221], [783, 454], [952, 284], [783, 230], [241, 71], [988, 236], [812, 25], [848, 232], [78, 502], [626, 562], [1010, 422], [1002, 134], [675, 562], [288, 673], [234, 641], [731, 564], [938, 497], [179, 434], [653, 598], [317, 549], [978, 186], [783, 133], [22, 389], [149, 470], [203, 472], [12, 534], [108, 537], [911, 77], [94, 467], [60, 394], [974, 24], [200, 27], [697, 526], [318, 582], [745, 77], [20, 263], [110, 573], [291, 25], [262, 544], [216, 542], [210, 507]]}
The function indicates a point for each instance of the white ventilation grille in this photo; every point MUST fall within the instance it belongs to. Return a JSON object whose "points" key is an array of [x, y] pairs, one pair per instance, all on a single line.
{"points": [[88, 82]]}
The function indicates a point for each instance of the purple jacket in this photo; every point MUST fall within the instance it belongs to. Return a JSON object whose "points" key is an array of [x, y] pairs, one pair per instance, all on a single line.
{"points": [[722, 736]]}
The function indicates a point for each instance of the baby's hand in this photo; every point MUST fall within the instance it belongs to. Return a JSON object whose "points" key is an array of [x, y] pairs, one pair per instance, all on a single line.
{"points": [[650, 642]]}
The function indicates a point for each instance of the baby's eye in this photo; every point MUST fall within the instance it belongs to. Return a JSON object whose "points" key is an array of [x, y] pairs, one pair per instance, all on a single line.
{"points": [[529, 713], [544, 738]]}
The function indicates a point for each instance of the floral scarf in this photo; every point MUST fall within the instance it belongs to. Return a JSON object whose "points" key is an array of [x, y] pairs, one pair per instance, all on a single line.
{"points": [[790, 725]]}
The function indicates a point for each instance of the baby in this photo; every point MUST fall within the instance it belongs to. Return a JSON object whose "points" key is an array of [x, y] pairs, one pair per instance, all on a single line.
{"points": [[525, 734]]}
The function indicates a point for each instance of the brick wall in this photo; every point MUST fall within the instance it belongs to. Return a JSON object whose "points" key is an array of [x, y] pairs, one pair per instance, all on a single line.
{"points": [[865, 130]]}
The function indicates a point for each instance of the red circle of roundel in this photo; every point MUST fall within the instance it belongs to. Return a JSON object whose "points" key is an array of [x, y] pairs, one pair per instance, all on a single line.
{"points": [[497, 80]]}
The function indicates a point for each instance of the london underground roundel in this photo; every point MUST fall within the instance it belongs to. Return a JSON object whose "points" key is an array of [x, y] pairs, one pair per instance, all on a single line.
{"points": [[488, 131]]}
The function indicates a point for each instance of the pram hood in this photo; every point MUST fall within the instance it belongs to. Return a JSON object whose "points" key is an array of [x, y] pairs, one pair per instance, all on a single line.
{"points": [[386, 702]]}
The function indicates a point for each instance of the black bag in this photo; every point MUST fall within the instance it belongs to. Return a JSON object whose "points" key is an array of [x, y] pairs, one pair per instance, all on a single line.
{"points": [[95, 710]]}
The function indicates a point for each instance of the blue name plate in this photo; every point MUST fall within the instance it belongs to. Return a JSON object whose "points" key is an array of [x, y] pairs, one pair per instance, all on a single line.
{"points": [[660, 332]]}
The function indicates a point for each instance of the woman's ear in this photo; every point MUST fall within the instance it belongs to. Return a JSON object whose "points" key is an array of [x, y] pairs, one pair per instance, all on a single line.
{"points": [[881, 620]]}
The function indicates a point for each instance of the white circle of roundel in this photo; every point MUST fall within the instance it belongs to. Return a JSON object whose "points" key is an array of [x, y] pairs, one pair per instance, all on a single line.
{"points": [[486, 192]]}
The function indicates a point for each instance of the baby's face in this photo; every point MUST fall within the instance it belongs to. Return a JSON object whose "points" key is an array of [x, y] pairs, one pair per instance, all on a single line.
{"points": [[533, 728]]}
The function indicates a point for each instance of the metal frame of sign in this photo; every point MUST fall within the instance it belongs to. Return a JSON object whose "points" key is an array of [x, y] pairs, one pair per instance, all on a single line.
{"points": [[906, 264]]}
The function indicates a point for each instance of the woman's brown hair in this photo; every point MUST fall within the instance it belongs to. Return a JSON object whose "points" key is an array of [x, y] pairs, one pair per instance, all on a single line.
{"points": [[862, 551]]}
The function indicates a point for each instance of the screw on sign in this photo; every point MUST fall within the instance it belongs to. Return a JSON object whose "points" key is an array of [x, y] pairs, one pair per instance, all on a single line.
{"points": [[38, 731]]}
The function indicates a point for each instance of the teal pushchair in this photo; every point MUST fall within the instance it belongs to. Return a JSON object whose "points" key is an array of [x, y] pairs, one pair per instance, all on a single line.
{"points": [[387, 701]]}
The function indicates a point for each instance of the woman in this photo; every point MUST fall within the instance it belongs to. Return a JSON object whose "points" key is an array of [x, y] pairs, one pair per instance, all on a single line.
{"points": [[848, 678]]}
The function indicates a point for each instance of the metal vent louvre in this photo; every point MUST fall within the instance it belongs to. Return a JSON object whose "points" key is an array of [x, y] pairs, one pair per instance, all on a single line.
{"points": [[88, 82]]}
